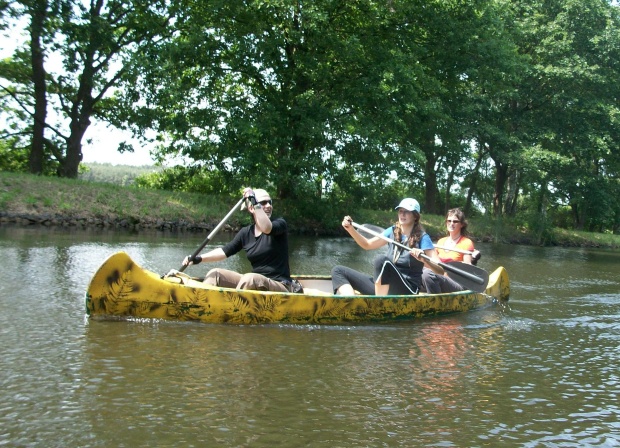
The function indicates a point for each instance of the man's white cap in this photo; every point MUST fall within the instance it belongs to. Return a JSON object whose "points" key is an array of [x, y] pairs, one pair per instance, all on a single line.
{"points": [[260, 195]]}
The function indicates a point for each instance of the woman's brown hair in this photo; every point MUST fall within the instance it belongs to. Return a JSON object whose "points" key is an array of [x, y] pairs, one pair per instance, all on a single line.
{"points": [[461, 217], [416, 232]]}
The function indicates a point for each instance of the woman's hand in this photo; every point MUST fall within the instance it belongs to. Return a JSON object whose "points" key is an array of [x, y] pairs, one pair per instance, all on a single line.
{"points": [[475, 256], [191, 260], [249, 196], [346, 222], [415, 253]]}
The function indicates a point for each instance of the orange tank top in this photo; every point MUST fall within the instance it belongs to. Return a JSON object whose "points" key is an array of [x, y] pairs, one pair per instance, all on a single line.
{"points": [[448, 256]]}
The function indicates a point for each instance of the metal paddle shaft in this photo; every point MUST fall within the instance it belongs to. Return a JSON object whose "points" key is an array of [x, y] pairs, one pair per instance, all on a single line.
{"points": [[214, 231], [454, 249], [467, 275], [475, 256]]}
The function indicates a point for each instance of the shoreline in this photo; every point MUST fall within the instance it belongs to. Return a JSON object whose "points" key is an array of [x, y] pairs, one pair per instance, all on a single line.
{"points": [[59, 221], [34, 201], [49, 221]]}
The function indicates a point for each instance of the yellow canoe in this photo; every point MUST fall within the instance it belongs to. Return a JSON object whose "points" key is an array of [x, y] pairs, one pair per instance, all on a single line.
{"points": [[122, 289]]}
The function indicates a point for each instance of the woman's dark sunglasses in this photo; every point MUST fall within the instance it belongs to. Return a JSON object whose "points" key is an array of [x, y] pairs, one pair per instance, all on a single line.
{"points": [[263, 203], [455, 221]]}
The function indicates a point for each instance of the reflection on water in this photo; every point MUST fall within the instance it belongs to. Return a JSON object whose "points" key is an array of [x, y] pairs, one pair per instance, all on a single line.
{"points": [[541, 372]]}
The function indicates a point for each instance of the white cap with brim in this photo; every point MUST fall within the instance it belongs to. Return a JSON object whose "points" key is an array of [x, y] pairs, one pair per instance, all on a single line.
{"points": [[409, 204], [260, 195]]}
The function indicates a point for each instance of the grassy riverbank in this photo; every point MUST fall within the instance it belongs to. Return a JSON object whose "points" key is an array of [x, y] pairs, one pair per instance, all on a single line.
{"points": [[28, 200]]}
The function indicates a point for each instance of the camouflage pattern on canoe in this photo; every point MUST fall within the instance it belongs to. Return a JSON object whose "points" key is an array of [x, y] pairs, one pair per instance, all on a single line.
{"points": [[122, 289]]}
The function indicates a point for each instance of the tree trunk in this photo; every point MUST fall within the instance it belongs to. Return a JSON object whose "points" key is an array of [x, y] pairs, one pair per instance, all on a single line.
{"points": [[473, 179], [578, 217], [430, 177], [447, 195], [71, 163], [81, 112], [501, 175], [37, 153], [510, 206]]}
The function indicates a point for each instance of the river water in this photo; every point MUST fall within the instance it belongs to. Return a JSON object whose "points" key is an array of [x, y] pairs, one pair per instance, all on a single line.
{"points": [[544, 371]]}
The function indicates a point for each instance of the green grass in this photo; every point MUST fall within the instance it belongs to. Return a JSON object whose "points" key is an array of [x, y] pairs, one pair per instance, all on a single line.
{"points": [[22, 193], [28, 194]]}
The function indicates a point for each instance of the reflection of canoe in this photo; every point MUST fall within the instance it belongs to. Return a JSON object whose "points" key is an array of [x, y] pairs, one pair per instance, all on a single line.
{"points": [[121, 288]]}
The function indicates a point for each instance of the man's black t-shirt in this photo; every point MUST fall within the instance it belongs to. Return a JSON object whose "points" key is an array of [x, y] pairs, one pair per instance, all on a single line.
{"points": [[268, 254]]}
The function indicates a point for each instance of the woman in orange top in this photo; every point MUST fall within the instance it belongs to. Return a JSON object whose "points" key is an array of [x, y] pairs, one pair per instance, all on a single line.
{"points": [[456, 225]]}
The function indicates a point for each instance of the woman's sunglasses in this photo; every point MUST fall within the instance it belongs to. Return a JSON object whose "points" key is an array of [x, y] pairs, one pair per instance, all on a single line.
{"points": [[455, 221], [263, 203]]}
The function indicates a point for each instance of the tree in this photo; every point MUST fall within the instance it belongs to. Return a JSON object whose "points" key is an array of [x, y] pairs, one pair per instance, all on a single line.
{"points": [[266, 92], [37, 10], [572, 86], [90, 48], [463, 50]]}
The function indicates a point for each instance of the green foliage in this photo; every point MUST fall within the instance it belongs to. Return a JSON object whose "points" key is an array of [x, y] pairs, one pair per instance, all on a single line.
{"points": [[308, 103], [12, 158], [562, 217], [115, 174], [191, 179], [504, 106], [23, 193], [601, 204], [66, 72]]}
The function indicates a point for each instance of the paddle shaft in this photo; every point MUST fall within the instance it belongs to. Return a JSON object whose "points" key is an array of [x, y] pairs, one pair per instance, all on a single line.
{"points": [[453, 249], [215, 230], [444, 266]]}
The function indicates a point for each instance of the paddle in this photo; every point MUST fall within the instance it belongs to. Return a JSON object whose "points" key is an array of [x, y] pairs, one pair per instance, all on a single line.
{"points": [[215, 230], [454, 249], [474, 257], [468, 276]]}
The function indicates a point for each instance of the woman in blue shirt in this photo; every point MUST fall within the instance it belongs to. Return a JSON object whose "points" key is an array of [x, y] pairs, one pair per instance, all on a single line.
{"points": [[397, 272]]}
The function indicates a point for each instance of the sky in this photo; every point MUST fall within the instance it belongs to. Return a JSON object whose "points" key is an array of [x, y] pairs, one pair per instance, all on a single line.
{"points": [[103, 148], [105, 139]]}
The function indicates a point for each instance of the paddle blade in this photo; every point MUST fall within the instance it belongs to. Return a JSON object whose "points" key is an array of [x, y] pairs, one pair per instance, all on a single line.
{"points": [[478, 283]]}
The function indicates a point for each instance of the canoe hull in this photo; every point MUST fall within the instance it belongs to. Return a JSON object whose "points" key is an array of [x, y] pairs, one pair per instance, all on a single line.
{"points": [[122, 289]]}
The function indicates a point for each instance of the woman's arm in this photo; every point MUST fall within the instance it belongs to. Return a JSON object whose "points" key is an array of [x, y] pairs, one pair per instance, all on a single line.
{"points": [[213, 255], [362, 241]]}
